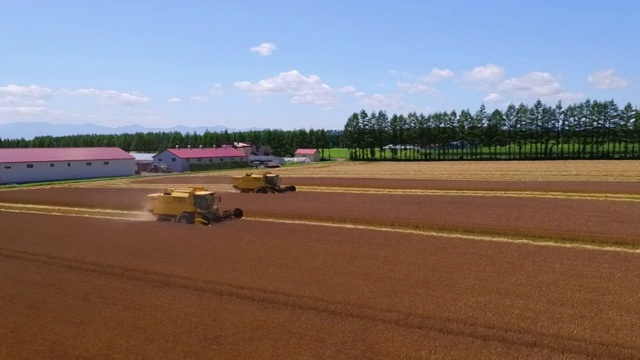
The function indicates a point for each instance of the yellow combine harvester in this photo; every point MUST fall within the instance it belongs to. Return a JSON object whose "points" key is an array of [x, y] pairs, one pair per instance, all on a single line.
{"points": [[189, 206], [267, 182]]}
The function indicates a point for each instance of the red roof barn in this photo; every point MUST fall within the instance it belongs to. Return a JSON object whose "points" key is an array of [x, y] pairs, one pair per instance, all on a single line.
{"points": [[21, 165], [180, 159], [311, 154]]}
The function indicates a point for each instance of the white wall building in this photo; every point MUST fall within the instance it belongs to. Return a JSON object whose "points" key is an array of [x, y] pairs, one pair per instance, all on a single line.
{"points": [[180, 159], [24, 165]]}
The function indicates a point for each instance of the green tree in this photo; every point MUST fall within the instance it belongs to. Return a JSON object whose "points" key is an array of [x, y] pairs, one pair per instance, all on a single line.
{"points": [[624, 129], [350, 135], [494, 131]]}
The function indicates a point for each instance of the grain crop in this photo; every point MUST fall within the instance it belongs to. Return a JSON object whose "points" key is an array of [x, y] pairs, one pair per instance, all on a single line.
{"points": [[557, 219], [569, 170], [105, 288], [367, 260]]}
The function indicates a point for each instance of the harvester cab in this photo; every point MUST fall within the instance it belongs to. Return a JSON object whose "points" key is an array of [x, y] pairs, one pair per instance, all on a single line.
{"points": [[189, 206], [264, 183], [272, 180]]}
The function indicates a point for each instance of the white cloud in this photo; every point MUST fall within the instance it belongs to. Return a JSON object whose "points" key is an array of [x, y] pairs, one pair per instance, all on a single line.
{"points": [[400, 73], [199, 99], [606, 79], [216, 89], [264, 49], [24, 110], [489, 73], [493, 98], [416, 88], [112, 97], [303, 89], [174, 100], [26, 91], [348, 89], [438, 74], [532, 84], [538, 85], [383, 102], [16, 100]]}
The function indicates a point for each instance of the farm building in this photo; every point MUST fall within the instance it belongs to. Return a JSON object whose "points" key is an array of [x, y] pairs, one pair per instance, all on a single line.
{"points": [[143, 161], [249, 148], [24, 165], [297, 160], [311, 154], [180, 159]]}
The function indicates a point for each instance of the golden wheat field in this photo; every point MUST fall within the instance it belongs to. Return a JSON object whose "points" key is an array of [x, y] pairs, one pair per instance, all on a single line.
{"points": [[461, 260]]}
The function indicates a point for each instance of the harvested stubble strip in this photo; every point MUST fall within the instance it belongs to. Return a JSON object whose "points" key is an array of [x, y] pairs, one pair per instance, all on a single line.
{"points": [[494, 193], [612, 222], [551, 239], [575, 220], [595, 187]]}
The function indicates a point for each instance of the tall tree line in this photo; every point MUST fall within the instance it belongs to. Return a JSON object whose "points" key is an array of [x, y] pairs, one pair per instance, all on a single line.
{"points": [[591, 129], [282, 142]]}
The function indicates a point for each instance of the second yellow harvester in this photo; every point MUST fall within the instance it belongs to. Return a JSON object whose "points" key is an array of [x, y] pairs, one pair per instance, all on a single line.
{"points": [[264, 183]]}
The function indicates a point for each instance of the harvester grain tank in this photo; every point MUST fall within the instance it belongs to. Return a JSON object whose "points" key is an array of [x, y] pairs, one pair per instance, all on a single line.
{"points": [[190, 206], [264, 183]]}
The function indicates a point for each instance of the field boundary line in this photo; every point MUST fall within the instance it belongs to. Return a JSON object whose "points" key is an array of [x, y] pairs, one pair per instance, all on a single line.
{"points": [[493, 238], [72, 211], [501, 193], [70, 214], [70, 208]]}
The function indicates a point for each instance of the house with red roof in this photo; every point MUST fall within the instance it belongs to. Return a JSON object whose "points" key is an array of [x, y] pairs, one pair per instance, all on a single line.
{"points": [[311, 154], [24, 165], [179, 159]]}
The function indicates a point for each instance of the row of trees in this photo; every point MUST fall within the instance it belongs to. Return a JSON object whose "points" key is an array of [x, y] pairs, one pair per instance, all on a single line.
{"points": [[281, 141], [591, 129]]}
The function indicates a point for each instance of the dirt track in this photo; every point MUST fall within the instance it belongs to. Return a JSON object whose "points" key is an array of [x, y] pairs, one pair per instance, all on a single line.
{"points": [[96, 288]]}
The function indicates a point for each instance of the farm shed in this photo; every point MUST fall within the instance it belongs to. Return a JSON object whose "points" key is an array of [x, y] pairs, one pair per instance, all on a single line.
{"points": [[143, 161], [24, 165], [297, 160], [179, 159], [249, 148], [311, 154]]}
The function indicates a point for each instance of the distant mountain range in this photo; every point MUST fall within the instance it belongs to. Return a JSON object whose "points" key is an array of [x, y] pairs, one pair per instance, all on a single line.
{"points": [[29, 130]]}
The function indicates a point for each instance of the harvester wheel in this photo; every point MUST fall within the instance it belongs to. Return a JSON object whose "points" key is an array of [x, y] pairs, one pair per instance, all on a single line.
{"points": [[291, 188], [262, 190], [186, 218], [238, 213], [215, 217]]}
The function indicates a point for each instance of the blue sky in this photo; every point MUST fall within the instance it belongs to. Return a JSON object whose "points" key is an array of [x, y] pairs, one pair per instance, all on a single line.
{"points": [[306, 64]]}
